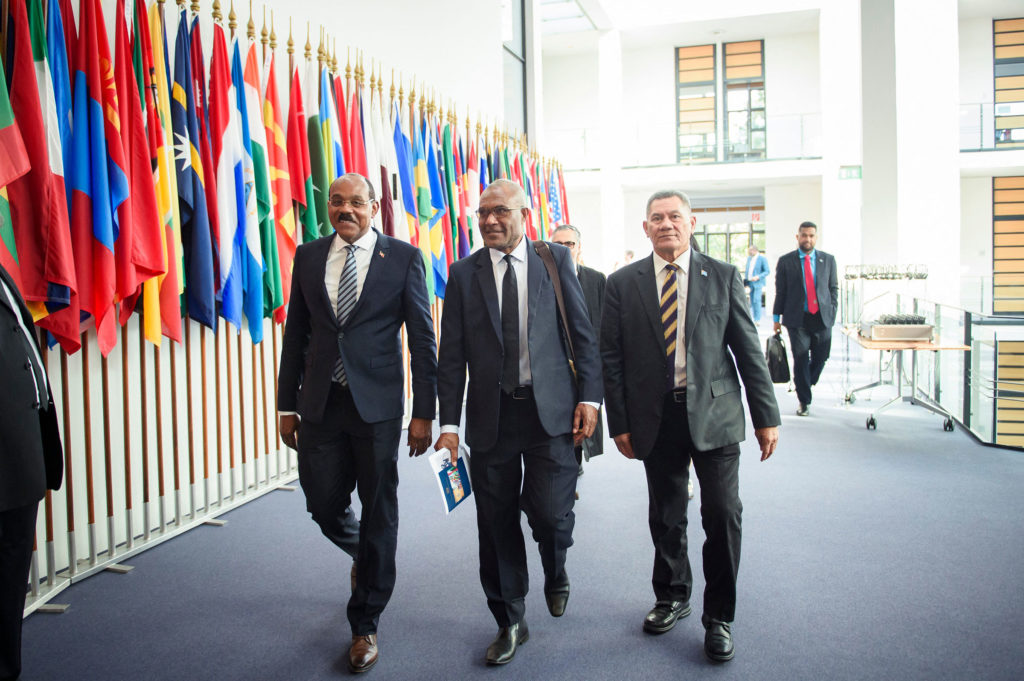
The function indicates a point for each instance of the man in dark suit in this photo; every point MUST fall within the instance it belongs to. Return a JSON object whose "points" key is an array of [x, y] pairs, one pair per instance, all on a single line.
{"points": [[675, 330], [523, 409], [341, 372], [31, 461], [755, 275], [592, 282], [806, 300]]}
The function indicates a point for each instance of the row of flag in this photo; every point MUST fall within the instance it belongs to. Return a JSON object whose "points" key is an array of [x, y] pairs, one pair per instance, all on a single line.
{"points": [[129, 182]]}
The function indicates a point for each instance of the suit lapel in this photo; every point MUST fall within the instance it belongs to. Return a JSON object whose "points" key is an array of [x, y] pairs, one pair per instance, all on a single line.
{"points": [[324, 251], [378, 263], [647, 292], [696, 284], [485, 280]]}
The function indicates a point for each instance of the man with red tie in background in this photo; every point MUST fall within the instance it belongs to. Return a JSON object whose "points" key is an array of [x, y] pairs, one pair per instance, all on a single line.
{"points": [[806, 300]]}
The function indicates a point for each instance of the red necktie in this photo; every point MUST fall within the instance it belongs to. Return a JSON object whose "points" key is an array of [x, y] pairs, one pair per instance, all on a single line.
{"points": [[812, 297]]}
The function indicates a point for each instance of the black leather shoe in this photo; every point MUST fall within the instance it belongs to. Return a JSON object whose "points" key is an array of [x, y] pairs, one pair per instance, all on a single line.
{"points": [[802, 410], [663, 616], [718, 640], [556, 593], [503, 648]]}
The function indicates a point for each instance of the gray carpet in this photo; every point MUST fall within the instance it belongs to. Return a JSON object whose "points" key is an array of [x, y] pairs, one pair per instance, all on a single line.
{"points": [[886, 554]]}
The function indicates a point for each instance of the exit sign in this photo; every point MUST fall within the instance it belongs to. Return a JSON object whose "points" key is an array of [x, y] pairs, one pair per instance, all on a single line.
{"points": [[849, 172]]}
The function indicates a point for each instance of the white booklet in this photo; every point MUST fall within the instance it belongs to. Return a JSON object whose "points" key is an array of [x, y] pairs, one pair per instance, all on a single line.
{"points": [[453, 481]]}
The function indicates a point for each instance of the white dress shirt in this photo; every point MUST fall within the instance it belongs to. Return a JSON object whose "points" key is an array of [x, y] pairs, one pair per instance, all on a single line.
{"points": [[682, 284], [336, 263]]}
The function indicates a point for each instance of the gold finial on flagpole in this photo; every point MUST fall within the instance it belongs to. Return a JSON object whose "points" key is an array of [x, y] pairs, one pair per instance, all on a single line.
{"points": [[232, 19], [309, 46], [250, 28], [291, 40], [401, 92], [348, 66], [334, 55], [195, 7], [392, 86], [264, 34], [273, 35], [217, 16]]}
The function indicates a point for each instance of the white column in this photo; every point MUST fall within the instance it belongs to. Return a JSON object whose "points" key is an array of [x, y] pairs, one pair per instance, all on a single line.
{"points": [[840, 69], [609, 102], [911, 181]]}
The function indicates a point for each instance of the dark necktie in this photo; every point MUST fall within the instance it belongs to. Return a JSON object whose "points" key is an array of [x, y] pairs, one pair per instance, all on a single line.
{"points": [[346, 301], [510, 327]]}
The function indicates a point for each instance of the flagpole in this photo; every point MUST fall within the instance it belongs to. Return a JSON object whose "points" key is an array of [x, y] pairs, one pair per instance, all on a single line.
{"points": [[145, 439], [127, 433], [231, 411], [69, 488], [266, 427], [190, 422], [87, 417], [158, 391], [107, 454], [205, 415]]}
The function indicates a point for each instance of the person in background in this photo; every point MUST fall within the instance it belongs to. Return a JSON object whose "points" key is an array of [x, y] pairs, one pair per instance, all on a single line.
{"points": [[806, 301], [756, 274], [592, 282], [31, 462]]}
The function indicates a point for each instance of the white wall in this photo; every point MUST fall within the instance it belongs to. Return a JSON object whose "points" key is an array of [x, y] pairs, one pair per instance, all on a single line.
{"points": [[976, 84], [793, 95], [650, 115], [976, 227], [570, 108], [785, 207]]}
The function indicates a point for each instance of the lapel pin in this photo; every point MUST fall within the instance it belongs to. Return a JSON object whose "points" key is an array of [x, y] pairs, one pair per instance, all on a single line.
{"points": [[380, 253], [703, 273]]}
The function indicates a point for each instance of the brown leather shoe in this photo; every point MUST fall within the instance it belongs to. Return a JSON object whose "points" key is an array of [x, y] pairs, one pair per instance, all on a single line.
{"points": [[363, 653], [353, 575]]}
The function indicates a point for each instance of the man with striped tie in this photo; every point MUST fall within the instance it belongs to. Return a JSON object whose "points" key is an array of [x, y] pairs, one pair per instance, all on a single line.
{"points": [[341, 373], [676, 327]]}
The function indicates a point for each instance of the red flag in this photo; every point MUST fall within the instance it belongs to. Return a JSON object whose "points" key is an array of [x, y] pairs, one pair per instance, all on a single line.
{"points": [[39, 209], [355, 131], [205, 153], [281, 186], [298, 147], [346, 143], [139, 252]]}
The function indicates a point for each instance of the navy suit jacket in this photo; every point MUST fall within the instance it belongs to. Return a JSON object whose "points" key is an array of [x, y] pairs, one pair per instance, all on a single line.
{"points": [[471, 338], [790, 294], [31, 454], [761, 270], [720, 338], [394, 293]]}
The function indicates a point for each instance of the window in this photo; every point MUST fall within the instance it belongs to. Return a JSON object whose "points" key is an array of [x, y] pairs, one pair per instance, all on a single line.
{"points": [[1008, 49], [729, 241], [514, 60], [695, 110], [745, 124], [1008, 245]]}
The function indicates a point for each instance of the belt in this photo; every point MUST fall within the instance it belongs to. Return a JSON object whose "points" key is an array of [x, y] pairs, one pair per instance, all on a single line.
{"points": [[677, 395], [521, 392]]}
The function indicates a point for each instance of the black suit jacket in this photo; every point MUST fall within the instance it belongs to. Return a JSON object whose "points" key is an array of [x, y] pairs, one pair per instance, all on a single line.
{"points": [[394, 293], [471, 338], [790, 294], [720, 338], [31, 455]]}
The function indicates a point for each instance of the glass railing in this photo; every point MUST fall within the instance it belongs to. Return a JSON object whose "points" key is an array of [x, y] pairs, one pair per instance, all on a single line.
{"points": [[978, 126], [791, 136]]}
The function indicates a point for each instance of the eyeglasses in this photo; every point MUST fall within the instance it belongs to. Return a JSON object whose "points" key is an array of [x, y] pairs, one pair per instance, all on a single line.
{"points": [[338, 202], [500, 212], [567, 244]]}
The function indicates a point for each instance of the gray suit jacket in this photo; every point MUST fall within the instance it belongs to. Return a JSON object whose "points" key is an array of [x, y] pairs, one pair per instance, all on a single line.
{"points": [[720, 338], [471, 339]]}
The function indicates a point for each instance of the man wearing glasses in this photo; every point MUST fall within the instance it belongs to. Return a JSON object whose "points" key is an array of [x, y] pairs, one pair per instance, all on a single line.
{"points": [[341, 374], [592, 282], [523, 408]]}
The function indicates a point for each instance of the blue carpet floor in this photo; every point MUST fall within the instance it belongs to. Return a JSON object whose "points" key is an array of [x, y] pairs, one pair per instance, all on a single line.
{"points": [[889, 554]]}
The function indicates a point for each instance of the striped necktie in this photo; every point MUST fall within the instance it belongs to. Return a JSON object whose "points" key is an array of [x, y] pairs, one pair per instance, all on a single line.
{"points": [[669, 317], [346, 301]]}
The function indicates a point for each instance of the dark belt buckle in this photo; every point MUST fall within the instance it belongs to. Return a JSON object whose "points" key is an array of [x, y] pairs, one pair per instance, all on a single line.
{"points": [[521, 392], [679, 395]]}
